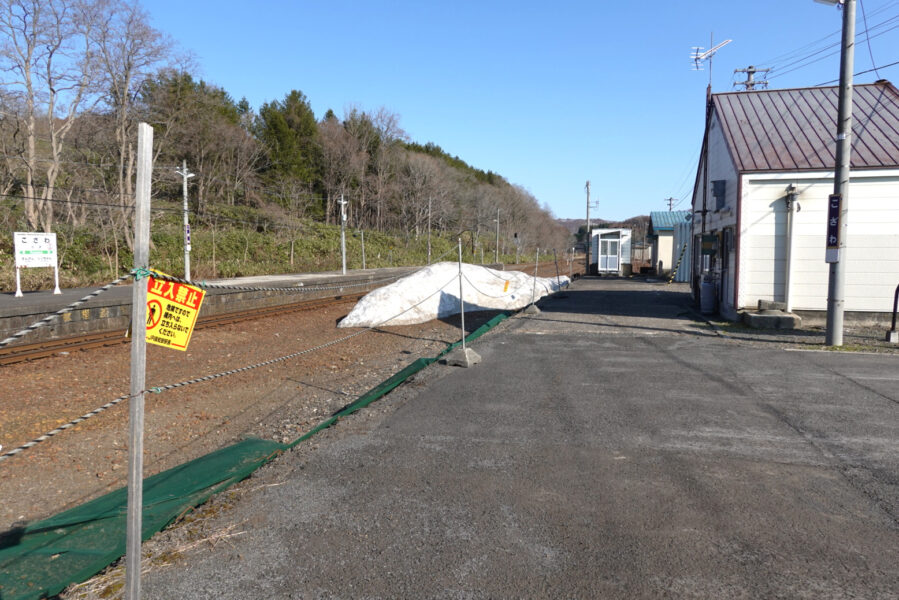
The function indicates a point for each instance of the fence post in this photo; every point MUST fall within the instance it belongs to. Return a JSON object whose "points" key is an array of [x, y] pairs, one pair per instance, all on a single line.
{"points": [[138, 362], [532, 308], [462, 356], [558, 277]]}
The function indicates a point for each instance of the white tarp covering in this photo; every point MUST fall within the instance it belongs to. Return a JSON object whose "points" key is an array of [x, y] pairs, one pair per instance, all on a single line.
{"points": [[433, 293]]}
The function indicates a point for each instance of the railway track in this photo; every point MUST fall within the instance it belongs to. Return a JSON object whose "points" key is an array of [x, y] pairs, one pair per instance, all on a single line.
{"points": [[43, 349]]}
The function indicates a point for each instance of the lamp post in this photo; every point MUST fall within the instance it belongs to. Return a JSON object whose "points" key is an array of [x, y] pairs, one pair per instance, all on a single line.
{"points": [[836, 256]]}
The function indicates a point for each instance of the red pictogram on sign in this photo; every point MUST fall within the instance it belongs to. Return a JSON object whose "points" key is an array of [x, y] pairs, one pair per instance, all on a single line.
{"points": [[154, 314]]}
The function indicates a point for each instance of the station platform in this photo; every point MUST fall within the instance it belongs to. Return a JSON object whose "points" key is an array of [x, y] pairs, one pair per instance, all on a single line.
{"points": [[111, 310]]}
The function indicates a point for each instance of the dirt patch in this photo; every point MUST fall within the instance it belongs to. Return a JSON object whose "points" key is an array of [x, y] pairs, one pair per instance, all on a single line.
{"points": [[279, 401]]}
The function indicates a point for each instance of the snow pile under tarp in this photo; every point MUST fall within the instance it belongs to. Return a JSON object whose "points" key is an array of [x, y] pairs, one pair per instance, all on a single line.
{"points": [[433, 293]]}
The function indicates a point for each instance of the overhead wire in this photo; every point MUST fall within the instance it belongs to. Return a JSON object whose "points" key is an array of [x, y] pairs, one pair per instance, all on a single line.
{"points": [[805, 61], [868, 37], [892, 64]]}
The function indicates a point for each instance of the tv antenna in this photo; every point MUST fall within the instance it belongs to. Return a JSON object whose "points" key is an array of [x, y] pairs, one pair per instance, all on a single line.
{"points": [[700, 55]]}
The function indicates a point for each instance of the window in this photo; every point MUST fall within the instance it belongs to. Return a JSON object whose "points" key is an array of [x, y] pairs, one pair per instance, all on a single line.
{"points": [[719, 192]]}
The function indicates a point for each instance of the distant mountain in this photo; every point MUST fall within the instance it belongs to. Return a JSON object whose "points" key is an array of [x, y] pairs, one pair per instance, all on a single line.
{"points": [[638, 225]]}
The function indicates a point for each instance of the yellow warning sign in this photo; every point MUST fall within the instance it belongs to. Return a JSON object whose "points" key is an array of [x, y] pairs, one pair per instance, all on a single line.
{"points": [[172, 310]]}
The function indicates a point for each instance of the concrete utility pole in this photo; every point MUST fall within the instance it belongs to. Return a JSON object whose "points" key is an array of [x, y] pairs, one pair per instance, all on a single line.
{"points": [[343, 233], [588, 237], [185, 174], [750, 82], [670, 202], [837, 279], [138, 363]]}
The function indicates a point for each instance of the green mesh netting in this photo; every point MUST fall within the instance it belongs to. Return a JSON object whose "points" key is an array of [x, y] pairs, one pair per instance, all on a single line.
{"points": [[42, 559]]}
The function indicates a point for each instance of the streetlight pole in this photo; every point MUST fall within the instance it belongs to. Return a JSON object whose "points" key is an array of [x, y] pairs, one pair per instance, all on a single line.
{"points": [[837, 278]]}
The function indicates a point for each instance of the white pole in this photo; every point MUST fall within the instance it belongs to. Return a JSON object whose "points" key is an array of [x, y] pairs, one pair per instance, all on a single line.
{"points": [[138, 362], [461, 296], [791, 253], [19, 293], [185, 175], [56, 289], [496, 250], [536, 263], [362, 235], [343, 233]]}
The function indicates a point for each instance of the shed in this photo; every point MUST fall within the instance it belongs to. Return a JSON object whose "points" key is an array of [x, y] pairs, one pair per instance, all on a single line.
{"points": [[661, 234], [610, 251], [759, 204]]}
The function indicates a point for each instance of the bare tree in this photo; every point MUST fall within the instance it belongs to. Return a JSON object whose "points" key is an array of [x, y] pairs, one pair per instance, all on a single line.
{"points": [[49, 62], [341, 160], [128, 50]]}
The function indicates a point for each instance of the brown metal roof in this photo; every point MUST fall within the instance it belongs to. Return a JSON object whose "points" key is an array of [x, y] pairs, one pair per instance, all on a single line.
{"points": [[790, 130]]}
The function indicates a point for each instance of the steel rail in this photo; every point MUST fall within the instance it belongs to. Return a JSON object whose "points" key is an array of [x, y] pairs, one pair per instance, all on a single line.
{"points": [[46, 348]]}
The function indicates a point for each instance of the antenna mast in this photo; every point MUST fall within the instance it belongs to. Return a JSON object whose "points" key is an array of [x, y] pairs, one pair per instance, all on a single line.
{"points": [[699, 55]]}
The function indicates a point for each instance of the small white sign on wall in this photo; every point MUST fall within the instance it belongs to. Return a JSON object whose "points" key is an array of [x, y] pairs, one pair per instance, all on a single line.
{"points": [[35, 250]]}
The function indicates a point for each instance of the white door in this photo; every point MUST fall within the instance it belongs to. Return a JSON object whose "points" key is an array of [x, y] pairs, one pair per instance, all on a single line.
{"points": [[608, 255]]}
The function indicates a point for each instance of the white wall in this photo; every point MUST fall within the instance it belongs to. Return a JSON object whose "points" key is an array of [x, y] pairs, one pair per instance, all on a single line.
{"points": [[721, 167], [872, 246]]}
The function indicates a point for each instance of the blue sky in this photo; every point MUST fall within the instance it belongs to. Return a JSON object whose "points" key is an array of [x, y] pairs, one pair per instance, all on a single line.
{"points": [[547, 94]]}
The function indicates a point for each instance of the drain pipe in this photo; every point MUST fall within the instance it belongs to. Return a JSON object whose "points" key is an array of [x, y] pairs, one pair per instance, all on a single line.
{"points": [[790, 199]]}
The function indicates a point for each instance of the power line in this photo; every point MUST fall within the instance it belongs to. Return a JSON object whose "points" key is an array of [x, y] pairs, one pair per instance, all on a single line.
{"points": [[892, 64], [805, 61], [868, 37], [793, 53]]}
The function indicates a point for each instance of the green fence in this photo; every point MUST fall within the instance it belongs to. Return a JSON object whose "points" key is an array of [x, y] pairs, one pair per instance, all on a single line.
{"points": [[42, 559]]}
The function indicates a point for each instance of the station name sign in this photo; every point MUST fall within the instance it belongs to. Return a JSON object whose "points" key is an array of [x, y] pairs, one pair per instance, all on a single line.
{"points": [[832, 253]]}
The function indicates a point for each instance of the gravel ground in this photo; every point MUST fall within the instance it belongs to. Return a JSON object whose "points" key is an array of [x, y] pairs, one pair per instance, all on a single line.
{"points": [[771, 479], [278, 402]]}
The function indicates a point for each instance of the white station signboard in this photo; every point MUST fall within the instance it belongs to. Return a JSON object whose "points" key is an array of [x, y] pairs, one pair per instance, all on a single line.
{"points": [[35, 250]]}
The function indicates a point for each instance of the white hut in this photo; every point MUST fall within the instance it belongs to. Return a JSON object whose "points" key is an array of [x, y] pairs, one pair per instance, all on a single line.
{"points": [[610, 252]]}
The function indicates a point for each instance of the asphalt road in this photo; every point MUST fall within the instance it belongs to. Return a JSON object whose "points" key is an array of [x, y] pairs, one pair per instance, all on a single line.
{"points": [[610, 447]]}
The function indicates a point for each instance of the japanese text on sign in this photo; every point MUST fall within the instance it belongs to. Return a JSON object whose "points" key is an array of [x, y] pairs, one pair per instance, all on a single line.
{"points": [[832, 254], [172, 310], [35, 249]]}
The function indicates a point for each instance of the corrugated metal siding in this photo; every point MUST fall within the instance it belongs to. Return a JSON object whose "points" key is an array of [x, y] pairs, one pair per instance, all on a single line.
{"points": [[793, 130], [683, 243]]}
